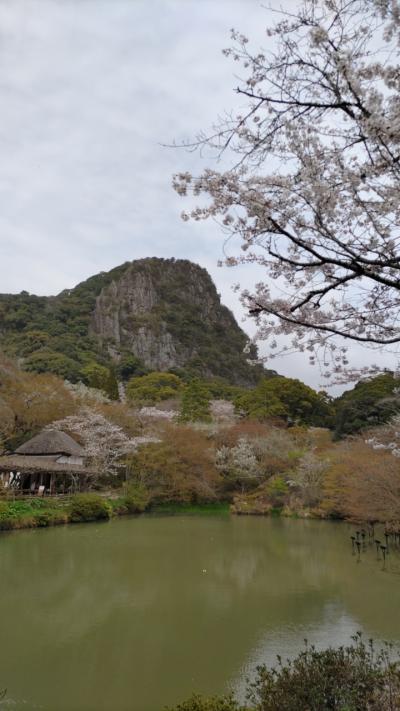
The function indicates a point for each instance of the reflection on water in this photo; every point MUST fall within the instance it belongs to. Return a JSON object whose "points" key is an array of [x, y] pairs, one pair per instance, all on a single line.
{"points": [[138, 613]]}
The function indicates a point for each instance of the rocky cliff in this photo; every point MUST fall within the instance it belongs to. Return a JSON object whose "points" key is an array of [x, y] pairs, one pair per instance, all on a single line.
{"points": [[166, 312]]}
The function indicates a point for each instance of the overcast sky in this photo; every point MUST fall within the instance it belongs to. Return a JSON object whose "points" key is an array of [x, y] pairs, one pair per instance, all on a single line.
{"points": [[89, 92]]}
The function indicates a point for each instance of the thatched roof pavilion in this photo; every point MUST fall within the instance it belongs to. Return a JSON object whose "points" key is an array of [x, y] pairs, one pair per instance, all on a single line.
{"points": [[42, 463], [51, 442]]}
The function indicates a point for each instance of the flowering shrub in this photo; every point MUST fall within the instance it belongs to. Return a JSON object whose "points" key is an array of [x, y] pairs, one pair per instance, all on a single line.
{"points": [[238, 465]]}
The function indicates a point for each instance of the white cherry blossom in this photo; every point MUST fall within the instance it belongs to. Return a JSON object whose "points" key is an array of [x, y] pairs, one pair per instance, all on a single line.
{"points": [[313, 188]]}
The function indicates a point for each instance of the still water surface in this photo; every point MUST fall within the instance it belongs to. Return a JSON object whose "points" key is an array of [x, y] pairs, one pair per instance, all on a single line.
{"points": [[138, 613]]}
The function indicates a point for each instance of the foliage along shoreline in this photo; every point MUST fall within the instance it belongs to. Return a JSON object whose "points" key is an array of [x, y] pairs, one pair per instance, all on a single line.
{"points": [[37, 512], [193, 443]]}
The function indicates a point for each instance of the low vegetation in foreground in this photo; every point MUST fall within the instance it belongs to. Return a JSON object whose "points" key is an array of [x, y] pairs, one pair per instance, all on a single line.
{"points": [[352, 678]]}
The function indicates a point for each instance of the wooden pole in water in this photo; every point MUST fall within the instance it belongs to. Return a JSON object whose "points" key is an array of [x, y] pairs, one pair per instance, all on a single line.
{"points": [[384, 551]]}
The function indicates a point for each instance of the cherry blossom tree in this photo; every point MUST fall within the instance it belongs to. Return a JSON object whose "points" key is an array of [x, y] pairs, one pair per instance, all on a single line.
{"points": [[238, 464], [313, 189], [308, 478], [104, 442], [388, 437]]}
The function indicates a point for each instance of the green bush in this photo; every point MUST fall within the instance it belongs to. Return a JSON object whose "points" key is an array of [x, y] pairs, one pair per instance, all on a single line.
{"points": [[195, 403], [8, 523], [137, 498], [153, 388], [353, 678], [49, 518], [46, 360], [369, 404], [98, 376], [277, 491], [129, 366], [88, 507], [287, 398], [214, 703]]}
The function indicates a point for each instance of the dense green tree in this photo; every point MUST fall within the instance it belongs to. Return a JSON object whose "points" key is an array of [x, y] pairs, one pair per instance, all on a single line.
{"points": [[304, 405], [195, 405], [288, 398], [129, 366], [370, 403], [47, 361], [154, 387], [33, 341], [95, 375], [260, 403], [98, 376]]}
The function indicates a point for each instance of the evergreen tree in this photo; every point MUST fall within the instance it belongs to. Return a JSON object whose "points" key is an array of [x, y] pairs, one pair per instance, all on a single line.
{"points": [[195, 403]]}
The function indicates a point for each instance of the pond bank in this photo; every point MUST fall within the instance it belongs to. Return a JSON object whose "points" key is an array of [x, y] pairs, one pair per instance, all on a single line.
{"points": [[36, 512]]}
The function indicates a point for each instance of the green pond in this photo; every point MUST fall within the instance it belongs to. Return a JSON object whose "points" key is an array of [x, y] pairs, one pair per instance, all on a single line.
{"points": [[139, 612]]}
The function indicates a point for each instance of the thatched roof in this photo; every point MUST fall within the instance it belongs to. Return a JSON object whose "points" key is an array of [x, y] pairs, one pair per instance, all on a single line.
{"points": [[51, 442]]}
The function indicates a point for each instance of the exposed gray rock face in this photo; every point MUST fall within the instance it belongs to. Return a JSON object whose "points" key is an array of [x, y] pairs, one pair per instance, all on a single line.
{"points": [[167, 313], [126, 315], [158, 351]]}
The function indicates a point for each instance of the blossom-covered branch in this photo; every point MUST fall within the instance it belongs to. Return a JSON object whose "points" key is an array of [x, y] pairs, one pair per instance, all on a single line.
{"points": [[313, 189]]}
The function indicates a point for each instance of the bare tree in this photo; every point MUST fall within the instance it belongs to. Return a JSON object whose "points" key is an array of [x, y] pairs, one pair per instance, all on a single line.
{"points": [[313, 191]]}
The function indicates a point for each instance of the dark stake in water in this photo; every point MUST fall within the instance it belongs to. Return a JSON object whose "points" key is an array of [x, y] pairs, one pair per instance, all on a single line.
{"points": [[138, 613]]}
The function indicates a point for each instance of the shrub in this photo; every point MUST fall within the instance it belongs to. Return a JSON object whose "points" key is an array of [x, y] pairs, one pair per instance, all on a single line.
{"points": [[352, 678], [47, 361], [238, 465], [275, 449], [137, 498], [287, 398], [362, 483], [88, 507], [308, 479], [180, 468], [370, 403], [277, 491], [214, 703], [129, 366], [100, 377], [153, 388], [195, 403], [50, 518]]}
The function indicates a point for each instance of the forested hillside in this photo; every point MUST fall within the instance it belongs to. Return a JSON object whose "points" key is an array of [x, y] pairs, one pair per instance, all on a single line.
{"points": [[150, 314]]}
